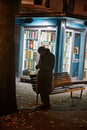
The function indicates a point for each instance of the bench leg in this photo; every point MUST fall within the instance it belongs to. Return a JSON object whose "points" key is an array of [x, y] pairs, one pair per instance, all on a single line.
{"points": [[71, 99], [37, 99], [81, 94], [71, 95]]}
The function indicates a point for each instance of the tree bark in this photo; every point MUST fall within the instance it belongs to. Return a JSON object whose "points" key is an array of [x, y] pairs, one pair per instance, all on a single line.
{"points": [[8, 102]]}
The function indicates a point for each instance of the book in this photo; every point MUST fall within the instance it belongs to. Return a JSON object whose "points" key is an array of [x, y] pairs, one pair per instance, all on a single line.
{"points": [[29, 54], [30, 64], [31, 44], [34, 55]]}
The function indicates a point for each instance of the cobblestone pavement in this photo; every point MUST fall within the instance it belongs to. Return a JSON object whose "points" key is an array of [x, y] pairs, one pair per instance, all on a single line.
{"points": [[26, 99], [65, 114]]}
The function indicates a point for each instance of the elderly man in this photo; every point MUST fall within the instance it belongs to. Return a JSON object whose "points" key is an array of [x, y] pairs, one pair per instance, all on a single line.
{"points": [[45, 66]]}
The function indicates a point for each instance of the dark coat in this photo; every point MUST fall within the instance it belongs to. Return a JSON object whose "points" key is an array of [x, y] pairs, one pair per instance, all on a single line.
{"points": [[45, 73]]}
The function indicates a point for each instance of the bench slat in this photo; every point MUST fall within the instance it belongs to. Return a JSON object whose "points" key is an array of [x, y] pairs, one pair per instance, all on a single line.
{"points": [[61, 79]]}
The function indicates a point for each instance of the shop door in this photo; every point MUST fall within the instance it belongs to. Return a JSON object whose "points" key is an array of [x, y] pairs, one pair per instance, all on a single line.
{"points": [[76, 55]]}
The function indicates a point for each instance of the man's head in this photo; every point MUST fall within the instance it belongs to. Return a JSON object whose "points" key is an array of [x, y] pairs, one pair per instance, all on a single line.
{"points": [[47, 51], [42, 50]]}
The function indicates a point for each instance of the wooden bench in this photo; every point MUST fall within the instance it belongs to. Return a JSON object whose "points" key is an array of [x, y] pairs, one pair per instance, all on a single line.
{"points": [[62, 83]]}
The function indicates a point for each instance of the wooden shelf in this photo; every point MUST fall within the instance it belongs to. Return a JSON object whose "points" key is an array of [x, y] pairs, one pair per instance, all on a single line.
{"points": [[25, 8], [29, 10]]}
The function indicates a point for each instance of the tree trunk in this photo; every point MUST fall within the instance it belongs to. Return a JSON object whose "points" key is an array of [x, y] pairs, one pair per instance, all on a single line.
{"points": [[8, 103]]}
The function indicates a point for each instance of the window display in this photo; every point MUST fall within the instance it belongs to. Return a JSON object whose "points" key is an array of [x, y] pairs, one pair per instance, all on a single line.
{"points": [[67, 51], [33, 38]]}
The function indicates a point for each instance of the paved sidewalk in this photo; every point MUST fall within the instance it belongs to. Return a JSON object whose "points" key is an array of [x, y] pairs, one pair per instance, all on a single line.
{"points": [[26, 99], [65, 114]]}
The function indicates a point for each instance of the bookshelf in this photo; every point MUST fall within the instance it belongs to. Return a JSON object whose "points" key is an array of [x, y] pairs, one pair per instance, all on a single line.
{"points": [[48, 39], [67, 51], [33, 38], [30, 46]]}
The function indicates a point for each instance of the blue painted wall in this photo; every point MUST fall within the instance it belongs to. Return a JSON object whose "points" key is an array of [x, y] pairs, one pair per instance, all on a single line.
{"points": [[20, 52], [82, 50], [37, 22]]}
